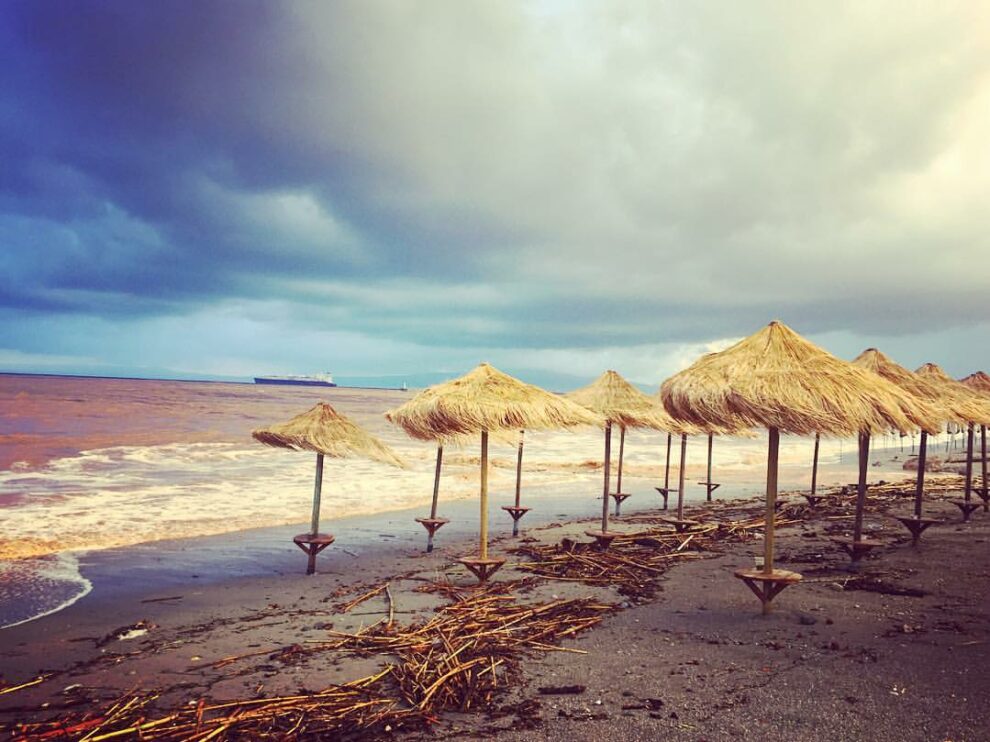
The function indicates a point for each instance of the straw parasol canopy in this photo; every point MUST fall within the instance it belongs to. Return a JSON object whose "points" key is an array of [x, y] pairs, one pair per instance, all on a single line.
{"points": [[326, 432], [978, 382], [979, 407], [620, 403], [779, 380], [485, 401]]}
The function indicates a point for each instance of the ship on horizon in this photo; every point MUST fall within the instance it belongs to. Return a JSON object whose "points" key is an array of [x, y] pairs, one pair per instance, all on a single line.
{"points": [[324, 379]]}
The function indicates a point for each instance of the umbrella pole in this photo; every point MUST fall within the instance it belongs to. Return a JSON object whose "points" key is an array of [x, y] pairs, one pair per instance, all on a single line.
{"points": [[436, 494], [772, 453], [519, 455], [983, 465], [314, 528], [708, 483], [968, 491], [814, 465], [864, 460], [922, 464], [484, 494], [666, 475], [618, 479], [680, 478], [608, 461]]}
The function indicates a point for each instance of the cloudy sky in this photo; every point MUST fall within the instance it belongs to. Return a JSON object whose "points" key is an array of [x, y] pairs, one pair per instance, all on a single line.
{"points": [[220, 188]]}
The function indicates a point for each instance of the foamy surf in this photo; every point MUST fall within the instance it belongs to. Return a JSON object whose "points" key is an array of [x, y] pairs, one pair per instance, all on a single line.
{"points": [[39, 586]]}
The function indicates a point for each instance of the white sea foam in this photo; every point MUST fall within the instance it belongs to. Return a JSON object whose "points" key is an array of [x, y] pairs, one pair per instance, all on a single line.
{"points": [[39, 586]]}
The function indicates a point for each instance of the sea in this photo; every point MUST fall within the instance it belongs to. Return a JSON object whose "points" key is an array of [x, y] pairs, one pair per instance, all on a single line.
{"points": [[90, 464]]}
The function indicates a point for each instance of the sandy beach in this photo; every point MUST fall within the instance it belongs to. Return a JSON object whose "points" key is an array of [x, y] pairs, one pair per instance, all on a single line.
{"points": [[898, 649]]}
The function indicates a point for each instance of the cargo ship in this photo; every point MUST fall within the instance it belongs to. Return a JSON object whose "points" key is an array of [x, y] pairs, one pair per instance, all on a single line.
{"points": [[316, 380]]}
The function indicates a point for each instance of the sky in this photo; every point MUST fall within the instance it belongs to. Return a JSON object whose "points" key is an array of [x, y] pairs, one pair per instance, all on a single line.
{"points": [[218, 189]]}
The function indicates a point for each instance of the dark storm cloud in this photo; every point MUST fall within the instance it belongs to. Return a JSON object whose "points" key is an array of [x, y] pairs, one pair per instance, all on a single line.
{"points": [[497, 175]]}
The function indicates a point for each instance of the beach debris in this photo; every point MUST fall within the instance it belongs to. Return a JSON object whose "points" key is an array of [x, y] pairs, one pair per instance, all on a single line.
{"points": [[560, 690]]}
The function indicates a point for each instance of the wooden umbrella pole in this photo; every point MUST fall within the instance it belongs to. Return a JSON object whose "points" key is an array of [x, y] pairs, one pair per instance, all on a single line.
{"points": [[608, 461], [814, 464], [484, 494], [983, 465], [968, 491], [864, 461], [680, 478], [436, 483], [317, 492], [772, 452], [708, 482], [666, 471], [919, 487], [622, 450], [519, 455]]}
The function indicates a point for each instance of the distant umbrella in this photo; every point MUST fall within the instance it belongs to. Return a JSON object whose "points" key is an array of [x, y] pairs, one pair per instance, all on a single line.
{"points": [[779, 380], [979, 416], [980, 383], [619, 403], [485, 401], [948, 406], [328, 433]]}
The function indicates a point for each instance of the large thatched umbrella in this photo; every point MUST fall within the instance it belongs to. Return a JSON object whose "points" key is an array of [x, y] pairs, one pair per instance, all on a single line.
{"points": [[622, 404], [980, 416], [980, 383], [778, 380], [481, 402], [328, 433], [950, 407]]}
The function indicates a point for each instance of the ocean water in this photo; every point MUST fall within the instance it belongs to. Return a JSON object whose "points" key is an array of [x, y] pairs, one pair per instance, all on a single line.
{"points": [[90, 464]]}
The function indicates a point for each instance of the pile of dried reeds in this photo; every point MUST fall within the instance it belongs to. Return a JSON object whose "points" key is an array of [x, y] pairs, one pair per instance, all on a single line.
{"points": [[458, 660]]}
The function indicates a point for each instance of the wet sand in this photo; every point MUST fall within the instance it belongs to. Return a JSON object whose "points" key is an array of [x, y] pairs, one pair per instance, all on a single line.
{"points": [[835, 660]]}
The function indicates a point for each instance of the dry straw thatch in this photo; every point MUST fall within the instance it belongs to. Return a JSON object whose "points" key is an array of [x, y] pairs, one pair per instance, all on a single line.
{"points": [[978, 382], [485, 399], [980, 413], [949, 405], [622, 404], [324, 430], [777, 379]]}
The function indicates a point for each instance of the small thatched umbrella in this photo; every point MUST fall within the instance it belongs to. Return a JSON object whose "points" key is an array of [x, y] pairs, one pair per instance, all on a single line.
{"points": [[778, 380], [622, 404], [948, 406], [980, 383], [980, 416], [485, 401], [328, 433]]}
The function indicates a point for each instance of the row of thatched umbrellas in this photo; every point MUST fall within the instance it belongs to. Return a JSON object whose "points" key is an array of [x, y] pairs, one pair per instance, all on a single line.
{"points": [[774, 379]]}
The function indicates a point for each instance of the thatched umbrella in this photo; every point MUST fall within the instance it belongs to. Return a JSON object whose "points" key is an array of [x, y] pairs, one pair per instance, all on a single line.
{"points": [[326, 432], [778, 380], [622, 404], [485, 401], [979, 416], [980, 383]]}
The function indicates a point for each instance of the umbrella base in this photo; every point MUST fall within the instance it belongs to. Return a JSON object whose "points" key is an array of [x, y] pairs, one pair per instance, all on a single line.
{"points": [[603, 539], [312, 544], [680, 525], [966, 508], [856, 549], [619, 497], [517, 512], [767, 585], [709, 488], [813, 500], [665, 493], [482, 568], [916, 526], [432, 525], [984, 495]]}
